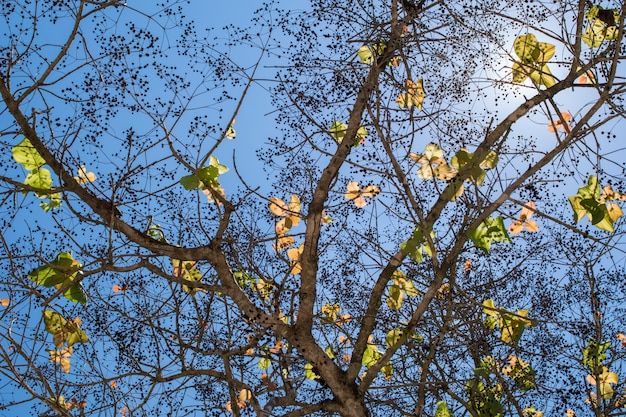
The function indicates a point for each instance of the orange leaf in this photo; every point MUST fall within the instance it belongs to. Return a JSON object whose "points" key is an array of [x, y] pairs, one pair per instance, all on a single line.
{"points": [[283, 242], [354, 193], [120, 288], [4, 302], [278, 207]]}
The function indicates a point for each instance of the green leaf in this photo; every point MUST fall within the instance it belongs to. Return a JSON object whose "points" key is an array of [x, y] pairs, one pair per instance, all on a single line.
{"points": [[39, 178], [442, 410], [155, 232], [338, 130], [371, 355], [393, 336], [491, 230], [587, 201], [309, 372], [543, 76], [417, 245], [603, 26], [329, 352], [76, 293], [63, 269], [54, 322], [594, 354], [520, 72], [525, 46], [264, 363], [77, 336], [544, 52], [205, 177], [366, 54], [394, 301], [25, 154], [54, 202]]}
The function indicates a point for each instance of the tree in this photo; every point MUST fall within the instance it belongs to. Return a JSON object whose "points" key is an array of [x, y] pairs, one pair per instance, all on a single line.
{"points": [[439, 231]]}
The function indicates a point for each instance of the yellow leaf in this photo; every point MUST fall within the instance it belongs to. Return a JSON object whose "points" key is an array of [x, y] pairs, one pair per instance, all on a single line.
{"points": [[244, 395], [278, 207], [84, 176], [62, 357], [283, 242], [354, 193], [615, 211]]}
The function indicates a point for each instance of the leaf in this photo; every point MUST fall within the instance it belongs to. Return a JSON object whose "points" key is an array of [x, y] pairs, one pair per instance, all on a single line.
{"points": [[75, 334], [560, 123], [394, 301], [594, 354], [491, 230], [442, 410], [603, 26], [62, 357], [76, 293], [338, 131], [245, 395], [417, 245], [294, 255], [370, 355], [543, 76], [278, 207], [25, 154], [366, 54], [588, 201], [84, 176], [354, 193], [533, 58], [525, 47], [230, 132], [187, 271], [330, 312], [55, 323], [58, 273], [604, 380], [205, 177], [524, 216], [415, 95], [393, 337], [511, 325], [309, 372], [39, 178]]}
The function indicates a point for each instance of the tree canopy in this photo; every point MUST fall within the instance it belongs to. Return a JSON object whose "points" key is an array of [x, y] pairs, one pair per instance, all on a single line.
{"points": [[365, 208]]}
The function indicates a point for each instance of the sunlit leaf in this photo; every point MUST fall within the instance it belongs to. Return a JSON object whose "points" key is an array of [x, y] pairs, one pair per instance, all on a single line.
{"points": [[25, 154], [533, 57], [84, 176], [39, 178], [491, 230], [62, 357], [414, 96], [524, 216], [205, 177], [366, 54], [310, 372], [55, 323], [442, 410], [230, 132], [560, 123], [393, 337], [357, 195], [604, 381], [588, 201], [604, 26]]}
